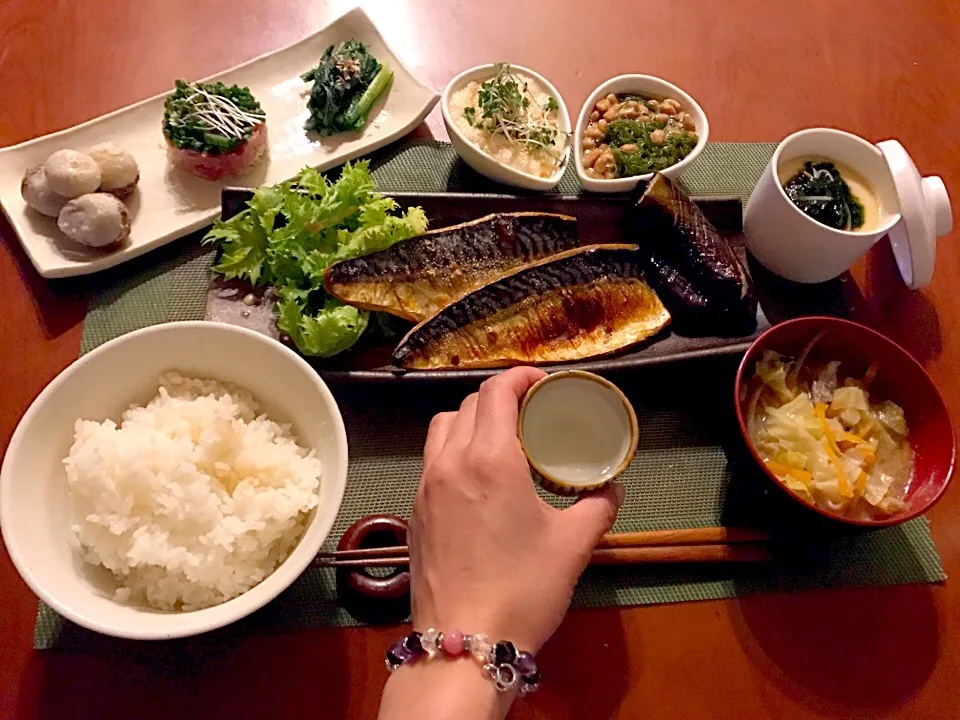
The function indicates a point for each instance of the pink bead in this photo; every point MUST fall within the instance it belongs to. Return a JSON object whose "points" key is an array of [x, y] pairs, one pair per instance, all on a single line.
{"points": [[452, 643]]}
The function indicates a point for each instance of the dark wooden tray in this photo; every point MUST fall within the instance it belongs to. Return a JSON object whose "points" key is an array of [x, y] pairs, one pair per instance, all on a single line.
{"points": [[601, 219]]}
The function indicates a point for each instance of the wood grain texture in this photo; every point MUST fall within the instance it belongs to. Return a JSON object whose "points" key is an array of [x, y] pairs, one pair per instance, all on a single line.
{"points": [[880, 68]]}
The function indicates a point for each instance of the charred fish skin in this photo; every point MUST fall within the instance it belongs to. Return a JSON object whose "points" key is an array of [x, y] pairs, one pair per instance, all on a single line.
{"points": [[416, 278], [684, 238], [584, 303]]}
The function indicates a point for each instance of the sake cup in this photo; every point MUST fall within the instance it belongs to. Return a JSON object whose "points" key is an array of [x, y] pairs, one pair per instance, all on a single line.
{"points": [[578, 431]]}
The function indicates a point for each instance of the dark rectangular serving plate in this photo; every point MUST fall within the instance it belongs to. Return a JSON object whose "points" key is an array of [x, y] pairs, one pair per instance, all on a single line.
{"points": [[601, 219]]}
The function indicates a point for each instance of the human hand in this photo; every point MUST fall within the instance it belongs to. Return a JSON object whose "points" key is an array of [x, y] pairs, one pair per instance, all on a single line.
{"points": [[487, 555]]}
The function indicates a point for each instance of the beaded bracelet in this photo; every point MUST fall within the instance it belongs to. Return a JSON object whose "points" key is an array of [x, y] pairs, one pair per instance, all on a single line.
{"points": [[507, 668]]}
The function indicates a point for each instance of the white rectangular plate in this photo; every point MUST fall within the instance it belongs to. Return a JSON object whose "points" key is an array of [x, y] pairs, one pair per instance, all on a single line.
{"points": [[169, 202]]}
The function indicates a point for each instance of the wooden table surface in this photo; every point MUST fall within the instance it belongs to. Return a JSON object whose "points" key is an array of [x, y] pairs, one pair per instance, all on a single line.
{"points": [[879, 68]]}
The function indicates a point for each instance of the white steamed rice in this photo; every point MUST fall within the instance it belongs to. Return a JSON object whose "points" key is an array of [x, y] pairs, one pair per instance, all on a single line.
{"points": [[193, 499]]}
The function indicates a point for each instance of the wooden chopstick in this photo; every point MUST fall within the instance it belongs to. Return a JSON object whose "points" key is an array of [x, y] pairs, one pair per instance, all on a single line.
{"points": [[374, 552], [399, 561], [743, 552], [689, 536], [647, 538], [711, 544]]}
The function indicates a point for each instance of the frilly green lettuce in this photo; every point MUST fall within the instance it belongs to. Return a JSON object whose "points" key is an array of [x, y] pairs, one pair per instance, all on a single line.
{"points": [[290, 233]]}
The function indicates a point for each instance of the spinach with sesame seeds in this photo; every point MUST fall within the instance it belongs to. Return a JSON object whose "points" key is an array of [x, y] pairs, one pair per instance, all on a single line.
{"points": [[346, 83]]}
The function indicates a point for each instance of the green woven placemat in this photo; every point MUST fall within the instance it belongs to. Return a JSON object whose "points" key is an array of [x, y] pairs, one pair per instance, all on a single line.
{"points": [[688, 471]]}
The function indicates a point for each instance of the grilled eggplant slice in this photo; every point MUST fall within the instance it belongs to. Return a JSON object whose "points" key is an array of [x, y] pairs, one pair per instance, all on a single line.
{"points": [[684, 296], [694, 269], [694, 314], [690, 243], [416, 278], [582, 303]]}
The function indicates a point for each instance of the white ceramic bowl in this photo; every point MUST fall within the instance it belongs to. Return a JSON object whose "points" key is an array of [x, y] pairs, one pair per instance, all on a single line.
{"points": [[477, 158], [34, 512], [648, 86], [793, 245]]}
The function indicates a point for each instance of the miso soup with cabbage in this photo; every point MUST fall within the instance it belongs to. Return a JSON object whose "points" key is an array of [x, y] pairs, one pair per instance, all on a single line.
{"points": [[828, 439]]}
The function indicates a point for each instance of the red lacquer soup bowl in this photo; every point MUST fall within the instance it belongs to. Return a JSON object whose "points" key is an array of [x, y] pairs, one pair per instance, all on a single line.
{"points": [[900, 378]]}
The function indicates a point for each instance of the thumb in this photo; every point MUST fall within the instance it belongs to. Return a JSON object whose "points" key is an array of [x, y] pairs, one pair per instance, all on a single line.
{"points": [[583, 523]]}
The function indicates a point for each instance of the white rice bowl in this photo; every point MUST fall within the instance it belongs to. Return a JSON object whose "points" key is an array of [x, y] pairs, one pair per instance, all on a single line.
{"points": [[191, 500]]}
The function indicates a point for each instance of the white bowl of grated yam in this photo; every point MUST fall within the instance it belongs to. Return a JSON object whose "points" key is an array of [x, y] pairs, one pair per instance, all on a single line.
{"points": [[173, 480]]}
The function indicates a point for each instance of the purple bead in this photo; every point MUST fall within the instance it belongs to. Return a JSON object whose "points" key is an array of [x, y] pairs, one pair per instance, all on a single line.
{"points": [[399, 653], [532, 678], [413, 644], [504, 653], [525, 664]]}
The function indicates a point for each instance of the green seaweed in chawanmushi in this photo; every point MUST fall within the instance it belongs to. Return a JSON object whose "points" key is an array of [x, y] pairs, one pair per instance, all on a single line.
{"points": [[819, 190], [830, 195]]}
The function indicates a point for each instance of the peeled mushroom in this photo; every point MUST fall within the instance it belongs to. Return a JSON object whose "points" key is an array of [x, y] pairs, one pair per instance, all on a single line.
{"points": [[37, 193], [95, 219], [118, 169], [71, 173]]}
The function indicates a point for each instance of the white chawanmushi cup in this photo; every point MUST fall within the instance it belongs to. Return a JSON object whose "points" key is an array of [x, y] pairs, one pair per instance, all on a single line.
{"points": [[578, 431], [795, 246], [792, 244]]}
